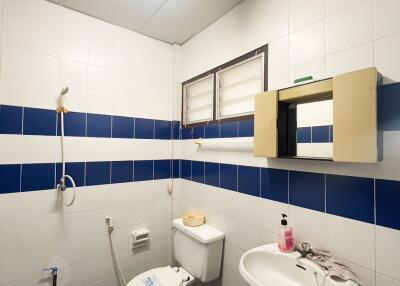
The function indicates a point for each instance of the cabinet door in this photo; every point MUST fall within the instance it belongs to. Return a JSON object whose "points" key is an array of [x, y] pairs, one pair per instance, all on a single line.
{"points": [[355, 136], [265, 124]]}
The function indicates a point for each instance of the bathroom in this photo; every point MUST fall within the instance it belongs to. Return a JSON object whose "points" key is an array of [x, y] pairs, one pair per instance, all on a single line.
{"points": [[115, 78]]}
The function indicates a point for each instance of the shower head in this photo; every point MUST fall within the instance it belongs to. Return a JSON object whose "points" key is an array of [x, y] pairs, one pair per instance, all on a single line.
{"points": [[64, 91]]}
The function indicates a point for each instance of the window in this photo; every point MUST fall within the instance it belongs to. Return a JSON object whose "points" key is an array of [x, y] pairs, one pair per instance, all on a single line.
{"points": [[237, 85], [198, 100], [227, 91]]}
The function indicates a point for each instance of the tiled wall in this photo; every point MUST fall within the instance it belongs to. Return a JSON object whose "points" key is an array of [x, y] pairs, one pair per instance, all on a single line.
{"points": [[350, 209], [117, 145]]}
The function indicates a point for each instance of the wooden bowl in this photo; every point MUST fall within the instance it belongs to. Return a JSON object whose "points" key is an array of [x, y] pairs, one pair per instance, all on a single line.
{"points": [[193, 218]]}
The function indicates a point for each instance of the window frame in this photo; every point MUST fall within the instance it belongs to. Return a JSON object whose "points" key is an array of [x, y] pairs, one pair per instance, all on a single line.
{"points": [[241, 59]]}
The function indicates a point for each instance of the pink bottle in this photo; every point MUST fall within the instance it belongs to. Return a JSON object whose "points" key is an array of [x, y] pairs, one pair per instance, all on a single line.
{"points": [[285, 236]]}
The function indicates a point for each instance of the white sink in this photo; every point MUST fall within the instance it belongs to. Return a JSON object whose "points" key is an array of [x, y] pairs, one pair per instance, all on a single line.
{"points": [[267, 266]]}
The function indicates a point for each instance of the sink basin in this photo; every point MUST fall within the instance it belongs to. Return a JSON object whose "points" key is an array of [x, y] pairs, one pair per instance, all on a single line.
{"points": [[267, 266]]}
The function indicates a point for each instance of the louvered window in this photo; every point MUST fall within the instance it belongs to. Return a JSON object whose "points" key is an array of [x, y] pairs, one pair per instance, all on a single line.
{"points": [[225, 92], [237, 85], [198, 98]]}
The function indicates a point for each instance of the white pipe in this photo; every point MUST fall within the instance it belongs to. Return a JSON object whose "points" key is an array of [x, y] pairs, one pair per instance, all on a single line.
{"points": [[110, 229], [63, 175]]}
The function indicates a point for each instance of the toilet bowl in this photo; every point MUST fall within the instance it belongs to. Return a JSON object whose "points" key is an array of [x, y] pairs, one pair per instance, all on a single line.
{"points": [[199, 252], [165, 276]]}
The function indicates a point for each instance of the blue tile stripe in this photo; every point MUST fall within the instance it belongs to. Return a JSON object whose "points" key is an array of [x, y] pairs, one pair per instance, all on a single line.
{"points": [[315, 134], [16, 178], [345, 196], [37, 121], [45, 122]]}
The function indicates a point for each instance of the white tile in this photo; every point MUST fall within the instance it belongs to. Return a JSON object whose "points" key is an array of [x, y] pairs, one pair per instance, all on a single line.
{"points": [[9, 239], [387, 58], [35, 258], [278, 79], [75, 76], [43, 22], [8, 267], [99, 90], [95, 245], [229, 227], [230, 267], [13, 204], [241, 281], [354, 58], [388, 251], [308, 225], [39, 149], [123, 94], [55, 228], [14, 47], [351, 240], [15, 10], [267, 237], [73, 275], [42, 67], [335, 6], [40, 94], [314, 68], [270, 214], [97, 269], [74, 36], [349, 27], [304, 12], [383, 280], [101, 54], [307, 43], [278, 54], [248, 236], [102, 32], [12, 90], [387, 21]]}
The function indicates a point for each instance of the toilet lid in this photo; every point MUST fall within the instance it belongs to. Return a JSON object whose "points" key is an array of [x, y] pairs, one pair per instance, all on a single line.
{"points": [[162, 276]]}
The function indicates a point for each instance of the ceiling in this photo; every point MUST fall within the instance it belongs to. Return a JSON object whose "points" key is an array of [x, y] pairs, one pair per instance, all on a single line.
{"points": [[172, 21]]}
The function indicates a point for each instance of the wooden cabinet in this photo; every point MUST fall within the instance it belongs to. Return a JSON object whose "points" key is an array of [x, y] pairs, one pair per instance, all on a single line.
{"points": [[265, 124], [355, 127], [355, 131]]}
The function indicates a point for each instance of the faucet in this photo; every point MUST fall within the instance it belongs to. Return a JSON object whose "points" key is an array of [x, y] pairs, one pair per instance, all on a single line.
{"points": [[53, 272], [304, 249]]}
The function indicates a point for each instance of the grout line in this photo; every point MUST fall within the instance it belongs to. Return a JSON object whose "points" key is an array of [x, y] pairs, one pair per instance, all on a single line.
{"points": [[20, 178], [342, 9]]}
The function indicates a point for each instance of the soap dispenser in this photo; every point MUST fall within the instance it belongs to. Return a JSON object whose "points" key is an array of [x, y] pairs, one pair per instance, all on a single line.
{"points": [[285, 236]]}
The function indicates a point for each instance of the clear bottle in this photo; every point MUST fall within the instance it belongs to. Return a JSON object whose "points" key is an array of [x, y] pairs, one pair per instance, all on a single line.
{"points": [[285, 236]]}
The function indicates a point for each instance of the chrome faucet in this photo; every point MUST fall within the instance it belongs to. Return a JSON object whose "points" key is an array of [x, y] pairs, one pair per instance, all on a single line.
{"points": [[304, 249]]}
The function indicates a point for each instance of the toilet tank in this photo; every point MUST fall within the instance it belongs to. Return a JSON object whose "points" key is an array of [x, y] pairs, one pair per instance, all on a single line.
{"points": [[198, 250]]}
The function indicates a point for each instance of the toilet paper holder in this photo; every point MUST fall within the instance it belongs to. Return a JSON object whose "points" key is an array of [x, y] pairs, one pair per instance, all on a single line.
{"points": [[140, 237]]}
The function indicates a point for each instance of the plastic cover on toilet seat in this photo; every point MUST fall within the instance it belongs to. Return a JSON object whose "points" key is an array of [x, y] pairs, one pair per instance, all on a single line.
{"points": [[161, 276]]}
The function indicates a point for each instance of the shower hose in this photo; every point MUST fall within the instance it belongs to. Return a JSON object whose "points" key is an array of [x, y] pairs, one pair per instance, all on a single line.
{"points": [[62, 185], [110, 229]]}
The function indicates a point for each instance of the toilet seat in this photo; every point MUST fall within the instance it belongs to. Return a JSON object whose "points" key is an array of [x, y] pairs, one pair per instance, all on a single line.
{"points": [[163, 276]]}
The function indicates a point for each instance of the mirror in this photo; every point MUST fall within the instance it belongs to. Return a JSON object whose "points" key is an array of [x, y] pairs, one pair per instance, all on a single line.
{"points": [[305, 129], [314, 135]]}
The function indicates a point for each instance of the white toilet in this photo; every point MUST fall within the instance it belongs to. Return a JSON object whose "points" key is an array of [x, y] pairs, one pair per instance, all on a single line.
{"points": [[199, 252]]}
